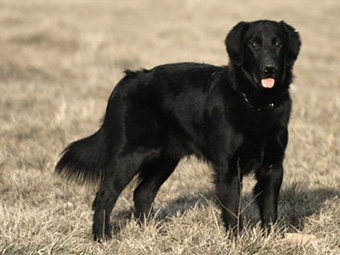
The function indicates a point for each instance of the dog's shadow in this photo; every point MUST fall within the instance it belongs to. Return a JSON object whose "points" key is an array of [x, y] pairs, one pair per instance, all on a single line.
{"points": [[176, 208], [296, 204]]}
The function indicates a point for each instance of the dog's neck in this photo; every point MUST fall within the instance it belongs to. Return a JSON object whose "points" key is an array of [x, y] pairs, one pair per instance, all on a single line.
{"points": [[268, 107], [255, 99]]}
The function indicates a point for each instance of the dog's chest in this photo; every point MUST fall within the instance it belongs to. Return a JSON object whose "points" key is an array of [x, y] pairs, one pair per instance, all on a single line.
{"points": [[250, 154], [256, 122]]}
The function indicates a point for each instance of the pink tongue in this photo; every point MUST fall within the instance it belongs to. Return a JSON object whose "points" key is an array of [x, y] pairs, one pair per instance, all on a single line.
{"points": [[268, 83]]}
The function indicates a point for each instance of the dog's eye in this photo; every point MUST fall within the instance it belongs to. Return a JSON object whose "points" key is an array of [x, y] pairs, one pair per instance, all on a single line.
{"points": [[254, 45], [278, 44]]}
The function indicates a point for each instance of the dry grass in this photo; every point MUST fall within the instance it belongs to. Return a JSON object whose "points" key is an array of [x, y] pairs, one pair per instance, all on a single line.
{"points": [[59, 60]]}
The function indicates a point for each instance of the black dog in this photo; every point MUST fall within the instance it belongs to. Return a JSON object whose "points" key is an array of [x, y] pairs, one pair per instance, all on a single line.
{"points": [[233, 117]]}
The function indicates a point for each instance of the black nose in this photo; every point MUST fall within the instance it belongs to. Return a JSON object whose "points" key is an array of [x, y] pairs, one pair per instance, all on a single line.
{"points": [[269, 70]]}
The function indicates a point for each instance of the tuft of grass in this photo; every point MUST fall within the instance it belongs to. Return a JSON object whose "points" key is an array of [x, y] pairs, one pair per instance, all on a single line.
{"points": [[59, 62]]}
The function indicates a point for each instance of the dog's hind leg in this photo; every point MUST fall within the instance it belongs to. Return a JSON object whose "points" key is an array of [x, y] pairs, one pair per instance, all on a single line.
{"points": [[152, 176], [118, 174]]}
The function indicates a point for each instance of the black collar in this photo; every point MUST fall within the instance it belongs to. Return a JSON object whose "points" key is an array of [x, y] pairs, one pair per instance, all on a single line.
{"points": [[268, 107]]}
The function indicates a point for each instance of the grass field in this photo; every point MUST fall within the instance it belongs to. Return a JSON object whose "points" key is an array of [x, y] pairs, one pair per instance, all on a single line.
{"points": [[59, 61]]}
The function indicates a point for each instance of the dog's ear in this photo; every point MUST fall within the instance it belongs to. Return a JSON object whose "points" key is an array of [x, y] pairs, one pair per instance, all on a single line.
{"points": [[234, 43], [293, 43]]}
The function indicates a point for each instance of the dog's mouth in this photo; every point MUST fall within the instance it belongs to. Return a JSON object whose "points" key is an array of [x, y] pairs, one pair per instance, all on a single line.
{"points": [[265, 82], [268, 83]]}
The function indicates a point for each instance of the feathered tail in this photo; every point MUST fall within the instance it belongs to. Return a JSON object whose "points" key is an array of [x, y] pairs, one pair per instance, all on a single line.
{"points": [[84, 160]]}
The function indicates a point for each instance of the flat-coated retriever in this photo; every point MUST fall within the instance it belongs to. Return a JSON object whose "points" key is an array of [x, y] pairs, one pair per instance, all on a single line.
{"points": [[234, 117]]}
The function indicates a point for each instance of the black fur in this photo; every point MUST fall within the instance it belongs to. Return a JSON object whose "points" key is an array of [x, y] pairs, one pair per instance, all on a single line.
{"points": [[223, 115]]}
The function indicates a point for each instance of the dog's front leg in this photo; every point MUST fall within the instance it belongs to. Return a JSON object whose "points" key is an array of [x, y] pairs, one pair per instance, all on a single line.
{"points": [[228, 184], [266, 191]]}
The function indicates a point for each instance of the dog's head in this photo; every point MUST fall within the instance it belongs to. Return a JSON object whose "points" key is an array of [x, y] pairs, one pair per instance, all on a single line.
{"points": [[264, 50]]}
